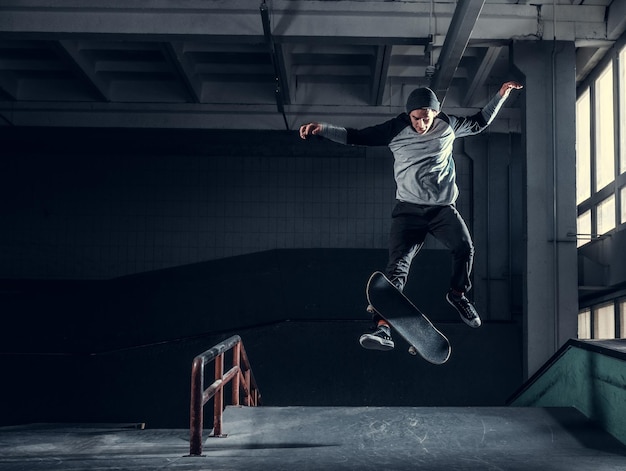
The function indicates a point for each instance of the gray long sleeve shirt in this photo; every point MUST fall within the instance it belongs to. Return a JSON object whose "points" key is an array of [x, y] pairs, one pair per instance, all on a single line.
{"points": [[423, 164]]}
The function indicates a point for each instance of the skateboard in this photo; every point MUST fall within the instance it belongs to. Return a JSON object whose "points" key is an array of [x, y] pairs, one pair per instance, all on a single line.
{"points": [[407, 320]]}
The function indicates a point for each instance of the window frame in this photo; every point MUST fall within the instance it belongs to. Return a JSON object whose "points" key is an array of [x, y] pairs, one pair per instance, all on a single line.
{"points": [[614, 59], [589, 315]]}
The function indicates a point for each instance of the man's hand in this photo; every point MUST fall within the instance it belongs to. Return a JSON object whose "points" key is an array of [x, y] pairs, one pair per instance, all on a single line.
{"points": [[506, 88], [310, 129]]}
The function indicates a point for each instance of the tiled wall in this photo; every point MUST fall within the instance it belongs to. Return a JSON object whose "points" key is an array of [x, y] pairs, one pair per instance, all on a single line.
{"points": [[102, 216]]}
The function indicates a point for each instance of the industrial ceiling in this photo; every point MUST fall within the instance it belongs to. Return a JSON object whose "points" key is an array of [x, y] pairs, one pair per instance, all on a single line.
{"points": [[255, 64]]}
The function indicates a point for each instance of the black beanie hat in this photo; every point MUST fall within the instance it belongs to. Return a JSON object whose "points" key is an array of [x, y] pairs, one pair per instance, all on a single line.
{"points": [[422, 98]]}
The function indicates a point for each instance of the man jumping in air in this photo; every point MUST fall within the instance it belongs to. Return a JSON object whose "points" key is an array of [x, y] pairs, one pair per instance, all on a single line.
{"points": [[421, 141]]}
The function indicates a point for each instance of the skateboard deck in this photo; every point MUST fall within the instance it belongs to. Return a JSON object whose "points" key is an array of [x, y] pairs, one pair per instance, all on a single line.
{"points": [[407, 320]]}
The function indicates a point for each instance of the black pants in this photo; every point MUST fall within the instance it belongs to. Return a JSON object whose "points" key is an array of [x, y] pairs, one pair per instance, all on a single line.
{"points": [[409, 227]]}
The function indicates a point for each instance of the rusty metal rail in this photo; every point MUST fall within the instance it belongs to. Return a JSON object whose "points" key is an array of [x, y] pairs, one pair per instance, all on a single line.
{"points": [[242, 380]]}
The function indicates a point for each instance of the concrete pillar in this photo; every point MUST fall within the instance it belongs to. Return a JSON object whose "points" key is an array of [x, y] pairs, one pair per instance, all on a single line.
{"points": [[549, 136]]}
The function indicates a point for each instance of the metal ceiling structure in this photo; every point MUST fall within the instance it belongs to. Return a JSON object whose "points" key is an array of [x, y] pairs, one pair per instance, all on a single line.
{"points": [[257, 64]]}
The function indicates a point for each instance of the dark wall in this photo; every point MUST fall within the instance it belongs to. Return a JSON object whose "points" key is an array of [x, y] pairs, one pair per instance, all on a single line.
{"points": [[98, 204], [102, 203], [125, 253]]}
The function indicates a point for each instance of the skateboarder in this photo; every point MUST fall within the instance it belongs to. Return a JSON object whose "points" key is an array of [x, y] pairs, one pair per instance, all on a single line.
{"points": [[421, 141]]}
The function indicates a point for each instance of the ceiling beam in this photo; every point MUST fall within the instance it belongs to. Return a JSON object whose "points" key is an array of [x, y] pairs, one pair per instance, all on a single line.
{"points": [[481, 73], [616, 20], [364, 22], [461, 27], [175, 54], [379, 74], [586, 59], [71, 54], [211, 116], [278, 62]]}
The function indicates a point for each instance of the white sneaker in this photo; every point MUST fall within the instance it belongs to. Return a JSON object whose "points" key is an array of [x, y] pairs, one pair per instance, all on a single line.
{"points": [[378, 340]]}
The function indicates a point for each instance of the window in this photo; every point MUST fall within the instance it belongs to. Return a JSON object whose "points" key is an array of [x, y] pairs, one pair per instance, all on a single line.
{"points": [[601, 150], [584, 228], [606, 215], [605, 132], [584, 324], [604, 322], [622, 109], [622, 319], [622, 193], [583, 147], [601, 181]]}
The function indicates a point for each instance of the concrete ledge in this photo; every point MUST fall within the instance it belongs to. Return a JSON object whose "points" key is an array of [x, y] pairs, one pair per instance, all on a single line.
{"points": [[587, 375]]}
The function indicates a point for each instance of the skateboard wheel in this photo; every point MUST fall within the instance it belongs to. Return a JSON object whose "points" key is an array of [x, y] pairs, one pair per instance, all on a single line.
{"points": [[412, 350]]}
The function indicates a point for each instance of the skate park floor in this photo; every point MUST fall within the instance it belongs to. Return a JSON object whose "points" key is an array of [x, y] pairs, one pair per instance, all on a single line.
{"points": [[329, 438]]}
